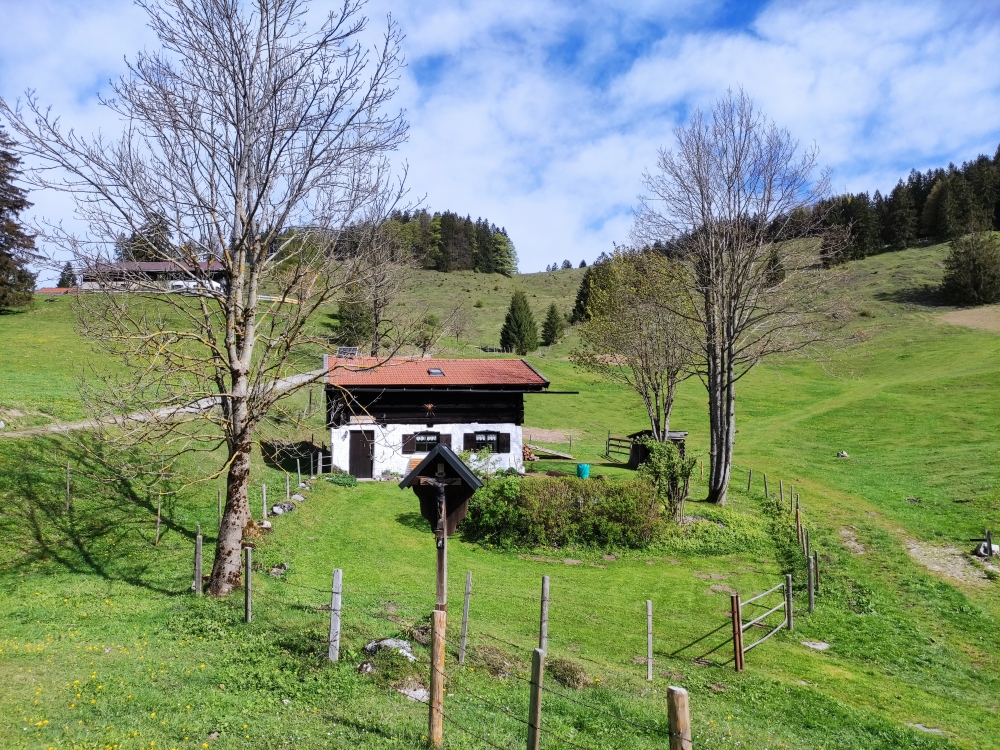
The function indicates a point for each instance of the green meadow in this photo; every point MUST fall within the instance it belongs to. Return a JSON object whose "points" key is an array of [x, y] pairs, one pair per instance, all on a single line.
{"points": [[103, 644]]}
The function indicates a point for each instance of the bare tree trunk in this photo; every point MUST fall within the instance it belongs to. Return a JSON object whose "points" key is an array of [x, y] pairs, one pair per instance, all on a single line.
{"points": [[226, 570]]}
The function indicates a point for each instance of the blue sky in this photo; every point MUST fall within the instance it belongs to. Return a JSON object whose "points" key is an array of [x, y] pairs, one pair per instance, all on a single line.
{"points": [[542, 116]]}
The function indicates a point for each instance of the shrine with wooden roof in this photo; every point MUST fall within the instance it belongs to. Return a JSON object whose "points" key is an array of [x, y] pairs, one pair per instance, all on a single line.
{"points": [[387, 416]]}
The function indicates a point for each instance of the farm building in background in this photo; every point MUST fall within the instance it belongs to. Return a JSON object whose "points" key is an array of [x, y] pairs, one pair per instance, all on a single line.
{"points": [[154, 276], [383, 418]]}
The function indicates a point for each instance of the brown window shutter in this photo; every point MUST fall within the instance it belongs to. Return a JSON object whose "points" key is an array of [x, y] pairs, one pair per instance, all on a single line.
{"points": [[409, 443], [445, 440], [503, 442], [469, 441]]}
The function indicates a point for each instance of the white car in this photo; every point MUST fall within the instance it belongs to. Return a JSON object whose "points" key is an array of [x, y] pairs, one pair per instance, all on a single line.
{"points": [[195, 286]]}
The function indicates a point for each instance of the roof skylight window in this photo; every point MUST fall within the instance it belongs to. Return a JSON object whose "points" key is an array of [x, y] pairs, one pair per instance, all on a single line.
{"points": [[435, 372]]}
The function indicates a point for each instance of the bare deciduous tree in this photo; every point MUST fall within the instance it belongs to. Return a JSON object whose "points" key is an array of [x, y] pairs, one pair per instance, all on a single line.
{"points": [[635, 335], [254, 143], [727, 202], [386, 264], [463, 324]]}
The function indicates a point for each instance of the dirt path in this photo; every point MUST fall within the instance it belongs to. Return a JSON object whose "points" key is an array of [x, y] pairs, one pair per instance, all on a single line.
{"points": [[541, 435], [948, 562], [196, 407], [986, 318]]}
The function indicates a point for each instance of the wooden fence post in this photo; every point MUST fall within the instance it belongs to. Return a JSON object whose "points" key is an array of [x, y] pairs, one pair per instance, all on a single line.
{"points": [[298, 471], [789, 621], [679, 718], [465, 618], [436, 726], [543, 624], [67, 486], [766, 496], [749, 479], [815, 557], [247, 581], [781, 490], [159, 505], [649, 640], [808, 548], [737, 631], [535, 700], [812, 590], [334, 651], [989, 543], [198, 583]]}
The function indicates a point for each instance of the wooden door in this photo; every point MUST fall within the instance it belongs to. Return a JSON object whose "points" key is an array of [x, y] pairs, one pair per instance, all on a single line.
{"points": [[362, 455]]}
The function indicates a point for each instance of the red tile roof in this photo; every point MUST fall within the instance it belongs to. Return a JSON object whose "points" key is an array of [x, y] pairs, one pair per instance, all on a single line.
{"points": [[56, 290], [366, 372]]}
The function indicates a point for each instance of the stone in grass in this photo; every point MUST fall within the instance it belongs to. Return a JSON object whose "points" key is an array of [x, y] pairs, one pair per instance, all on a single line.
{"points": [[366, 667], [413, 689], [568, 673], [281, 508], [817, 645], [842, 454], [391, 644], [922, 728], [279, 570]]}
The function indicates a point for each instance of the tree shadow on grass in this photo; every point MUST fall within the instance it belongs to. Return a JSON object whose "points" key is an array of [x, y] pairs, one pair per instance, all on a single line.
{"points": [[413, 521], [926, 295], [109, 518]]}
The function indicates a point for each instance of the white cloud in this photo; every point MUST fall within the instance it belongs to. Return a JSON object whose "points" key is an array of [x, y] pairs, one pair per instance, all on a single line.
{"points": [[542, 116]]}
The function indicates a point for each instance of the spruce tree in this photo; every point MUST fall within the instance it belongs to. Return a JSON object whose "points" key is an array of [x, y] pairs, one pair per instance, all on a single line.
{"points": [[67, 278], [972, 275], [553, 326], [17, 283], [902, 218], [520, 332]]}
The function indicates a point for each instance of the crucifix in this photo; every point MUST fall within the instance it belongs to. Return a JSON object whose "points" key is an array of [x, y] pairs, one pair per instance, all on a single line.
{"points": [[443, 485]]}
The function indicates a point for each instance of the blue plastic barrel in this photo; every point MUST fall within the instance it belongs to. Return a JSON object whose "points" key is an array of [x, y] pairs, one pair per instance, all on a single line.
{"points": [[583, 471]]}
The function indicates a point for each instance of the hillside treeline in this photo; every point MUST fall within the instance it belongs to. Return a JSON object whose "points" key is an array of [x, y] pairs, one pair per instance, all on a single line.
{"points": [[447, 242], [940, 203]]}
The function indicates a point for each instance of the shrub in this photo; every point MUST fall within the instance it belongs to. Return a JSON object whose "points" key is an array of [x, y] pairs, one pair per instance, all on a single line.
{"points": [[972, 275], [341, 480], [556, 511], [669, 473]]}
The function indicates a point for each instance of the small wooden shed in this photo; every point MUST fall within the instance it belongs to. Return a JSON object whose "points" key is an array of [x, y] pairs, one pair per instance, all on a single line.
{"points": [[639, 452]]}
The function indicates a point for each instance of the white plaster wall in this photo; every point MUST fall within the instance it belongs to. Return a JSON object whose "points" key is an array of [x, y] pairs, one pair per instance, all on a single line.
{"points": [[389, 454]]}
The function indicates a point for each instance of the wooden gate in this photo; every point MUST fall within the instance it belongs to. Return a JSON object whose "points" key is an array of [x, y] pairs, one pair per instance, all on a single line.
{"points": [[361, 460]]}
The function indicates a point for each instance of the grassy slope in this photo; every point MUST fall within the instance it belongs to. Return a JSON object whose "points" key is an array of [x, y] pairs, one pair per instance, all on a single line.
{"points": [[907, 397]]}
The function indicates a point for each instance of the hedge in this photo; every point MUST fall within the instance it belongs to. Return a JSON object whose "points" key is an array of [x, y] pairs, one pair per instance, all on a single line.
{"points": [[517, 512]]}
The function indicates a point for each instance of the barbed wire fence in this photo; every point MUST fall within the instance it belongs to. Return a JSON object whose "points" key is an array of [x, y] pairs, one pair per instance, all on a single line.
{"points": [[360, 605]]}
